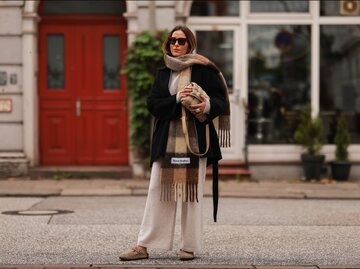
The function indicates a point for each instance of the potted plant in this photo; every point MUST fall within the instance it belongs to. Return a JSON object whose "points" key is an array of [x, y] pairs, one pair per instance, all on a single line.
{"points": [[309, 134], [340, 167]]}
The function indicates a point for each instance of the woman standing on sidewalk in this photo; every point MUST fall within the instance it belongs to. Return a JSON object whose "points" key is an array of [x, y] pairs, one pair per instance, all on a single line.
{"points": [[178, 175]]}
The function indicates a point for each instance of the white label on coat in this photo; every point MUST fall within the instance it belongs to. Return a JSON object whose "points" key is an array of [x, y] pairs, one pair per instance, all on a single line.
{"points": [[185, 160]]}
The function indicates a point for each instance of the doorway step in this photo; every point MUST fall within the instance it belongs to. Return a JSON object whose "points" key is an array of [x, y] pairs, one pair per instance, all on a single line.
{"points": [[231, 170], [81, 172]]}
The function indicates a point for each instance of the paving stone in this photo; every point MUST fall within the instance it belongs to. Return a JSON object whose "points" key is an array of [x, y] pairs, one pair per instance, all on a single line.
{"points": [[30, 192], [339, 266], [332, 194], [139, 192], [59, 267], [67, 266], [286, 267], [26, 266], [95, 192], [262, 194]]}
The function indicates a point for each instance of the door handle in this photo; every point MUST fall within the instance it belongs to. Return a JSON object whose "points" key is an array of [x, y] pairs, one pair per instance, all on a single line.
{"points": [[78, 108]]}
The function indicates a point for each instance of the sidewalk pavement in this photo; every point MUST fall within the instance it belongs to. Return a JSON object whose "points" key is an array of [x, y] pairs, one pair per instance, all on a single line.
{"points": [[135, 187], [325, 189]]}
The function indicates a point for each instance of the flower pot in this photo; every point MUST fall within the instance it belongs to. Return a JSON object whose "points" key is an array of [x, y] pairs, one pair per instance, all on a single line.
{"points": [[312, 165], [340, 170]]}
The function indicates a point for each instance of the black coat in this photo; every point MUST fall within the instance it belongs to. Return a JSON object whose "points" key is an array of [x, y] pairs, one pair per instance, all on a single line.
{"points": [[164, 108]]}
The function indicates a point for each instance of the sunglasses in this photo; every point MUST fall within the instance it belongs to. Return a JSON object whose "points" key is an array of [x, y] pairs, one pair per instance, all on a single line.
{"points": [[181, 41]]}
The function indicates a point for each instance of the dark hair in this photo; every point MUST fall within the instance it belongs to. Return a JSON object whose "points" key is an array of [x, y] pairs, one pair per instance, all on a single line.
{"points": [[189, 36]]}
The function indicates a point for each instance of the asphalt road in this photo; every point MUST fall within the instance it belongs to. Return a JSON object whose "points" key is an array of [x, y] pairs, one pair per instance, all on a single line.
{"points": [[248, 232]]}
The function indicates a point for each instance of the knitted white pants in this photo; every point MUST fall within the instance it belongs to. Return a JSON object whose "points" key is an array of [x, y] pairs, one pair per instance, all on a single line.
{"points": [[158, 224]]}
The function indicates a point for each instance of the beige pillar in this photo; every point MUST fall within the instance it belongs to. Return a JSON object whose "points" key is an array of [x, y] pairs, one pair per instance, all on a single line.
{"points": [[30, 98]]}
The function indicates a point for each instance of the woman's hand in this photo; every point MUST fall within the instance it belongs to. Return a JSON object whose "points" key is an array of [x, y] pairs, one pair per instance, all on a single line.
{"points": [[185, 92], [199, 108]]}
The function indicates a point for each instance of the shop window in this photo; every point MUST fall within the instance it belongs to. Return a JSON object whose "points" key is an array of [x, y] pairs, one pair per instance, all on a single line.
{"points": [[279, 6], [215, 8], [340, 8], [279, 81], [88, 7], [340, 78], [218, 46]]}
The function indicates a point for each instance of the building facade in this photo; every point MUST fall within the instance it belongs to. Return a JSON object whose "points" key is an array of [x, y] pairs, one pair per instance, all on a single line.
{"points": [[63, 102]]}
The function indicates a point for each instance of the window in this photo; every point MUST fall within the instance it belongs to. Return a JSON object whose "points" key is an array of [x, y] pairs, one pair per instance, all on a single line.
{"points": [[111, 63], [279, 6], [339, 8], [340, 78], [103, 7], [218, 46], [215, 8], [55, 62], [279, 81]]}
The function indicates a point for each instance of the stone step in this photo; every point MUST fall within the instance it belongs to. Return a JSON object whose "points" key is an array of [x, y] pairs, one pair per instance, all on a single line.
{"points": [[81, 172], [231, 169]]}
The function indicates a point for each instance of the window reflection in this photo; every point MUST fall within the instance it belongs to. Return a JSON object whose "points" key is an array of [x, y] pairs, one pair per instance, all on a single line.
{"points": [[218, 46], [111, 63], [279, 81], [215, 8], [279, 6], [55, 62], [339, 78]]}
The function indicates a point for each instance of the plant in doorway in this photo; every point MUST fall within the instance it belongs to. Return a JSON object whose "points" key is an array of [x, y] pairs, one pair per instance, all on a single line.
{"points": [[340, 167], [310, 134], [143, 58]]}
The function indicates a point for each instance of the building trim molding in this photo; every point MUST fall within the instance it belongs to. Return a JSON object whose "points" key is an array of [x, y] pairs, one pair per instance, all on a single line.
{"points": [[29, 73]]}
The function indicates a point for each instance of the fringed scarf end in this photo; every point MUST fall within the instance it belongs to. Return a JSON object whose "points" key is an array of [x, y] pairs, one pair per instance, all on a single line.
{"points": [[179, 192], [224, 138]]}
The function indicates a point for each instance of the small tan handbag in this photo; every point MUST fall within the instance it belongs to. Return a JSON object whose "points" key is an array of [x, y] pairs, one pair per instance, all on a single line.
{"points": [[194, 99]]}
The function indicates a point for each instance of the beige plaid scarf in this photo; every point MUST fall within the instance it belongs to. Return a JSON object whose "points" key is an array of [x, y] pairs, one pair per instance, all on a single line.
{"points": [[186, 60], [179, 170]]}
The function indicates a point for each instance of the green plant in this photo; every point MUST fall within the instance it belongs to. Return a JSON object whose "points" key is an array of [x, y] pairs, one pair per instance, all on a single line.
{"points": [[309, 132], [143, 58], [62, 175], [342, 139]]}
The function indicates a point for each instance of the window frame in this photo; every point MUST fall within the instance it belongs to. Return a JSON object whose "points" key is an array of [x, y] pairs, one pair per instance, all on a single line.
{"points": [[278, 152]]}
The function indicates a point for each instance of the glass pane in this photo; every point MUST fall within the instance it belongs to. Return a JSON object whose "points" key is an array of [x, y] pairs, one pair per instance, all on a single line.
{"points": [[279, 81], [55, 62], [279, 6], [215, 8], [109, 7], [339, 78], [111, 62], [339, 8], [218, 47]]}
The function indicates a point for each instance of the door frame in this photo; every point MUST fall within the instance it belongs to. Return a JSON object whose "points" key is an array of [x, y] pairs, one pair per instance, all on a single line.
{"points": [[30, 20], [236, 95], [99, 26]]}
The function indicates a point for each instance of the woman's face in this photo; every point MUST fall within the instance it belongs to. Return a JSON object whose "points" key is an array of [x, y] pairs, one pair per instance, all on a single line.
{"points": [[177, 46]]}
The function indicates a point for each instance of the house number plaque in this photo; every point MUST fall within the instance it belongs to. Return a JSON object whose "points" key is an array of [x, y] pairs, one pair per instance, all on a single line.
{"points": [[5, 105]]}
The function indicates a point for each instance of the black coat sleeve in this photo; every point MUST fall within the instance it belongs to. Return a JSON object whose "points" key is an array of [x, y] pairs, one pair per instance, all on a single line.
{"points": [[160, 103]]}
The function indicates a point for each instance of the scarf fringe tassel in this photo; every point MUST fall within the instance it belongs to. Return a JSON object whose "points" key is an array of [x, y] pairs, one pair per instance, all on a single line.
{"points": [[224, 138], [184, 192]]}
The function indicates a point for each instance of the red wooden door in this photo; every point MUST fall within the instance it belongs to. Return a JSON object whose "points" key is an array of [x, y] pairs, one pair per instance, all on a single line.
{"points": [[83, 102]]}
